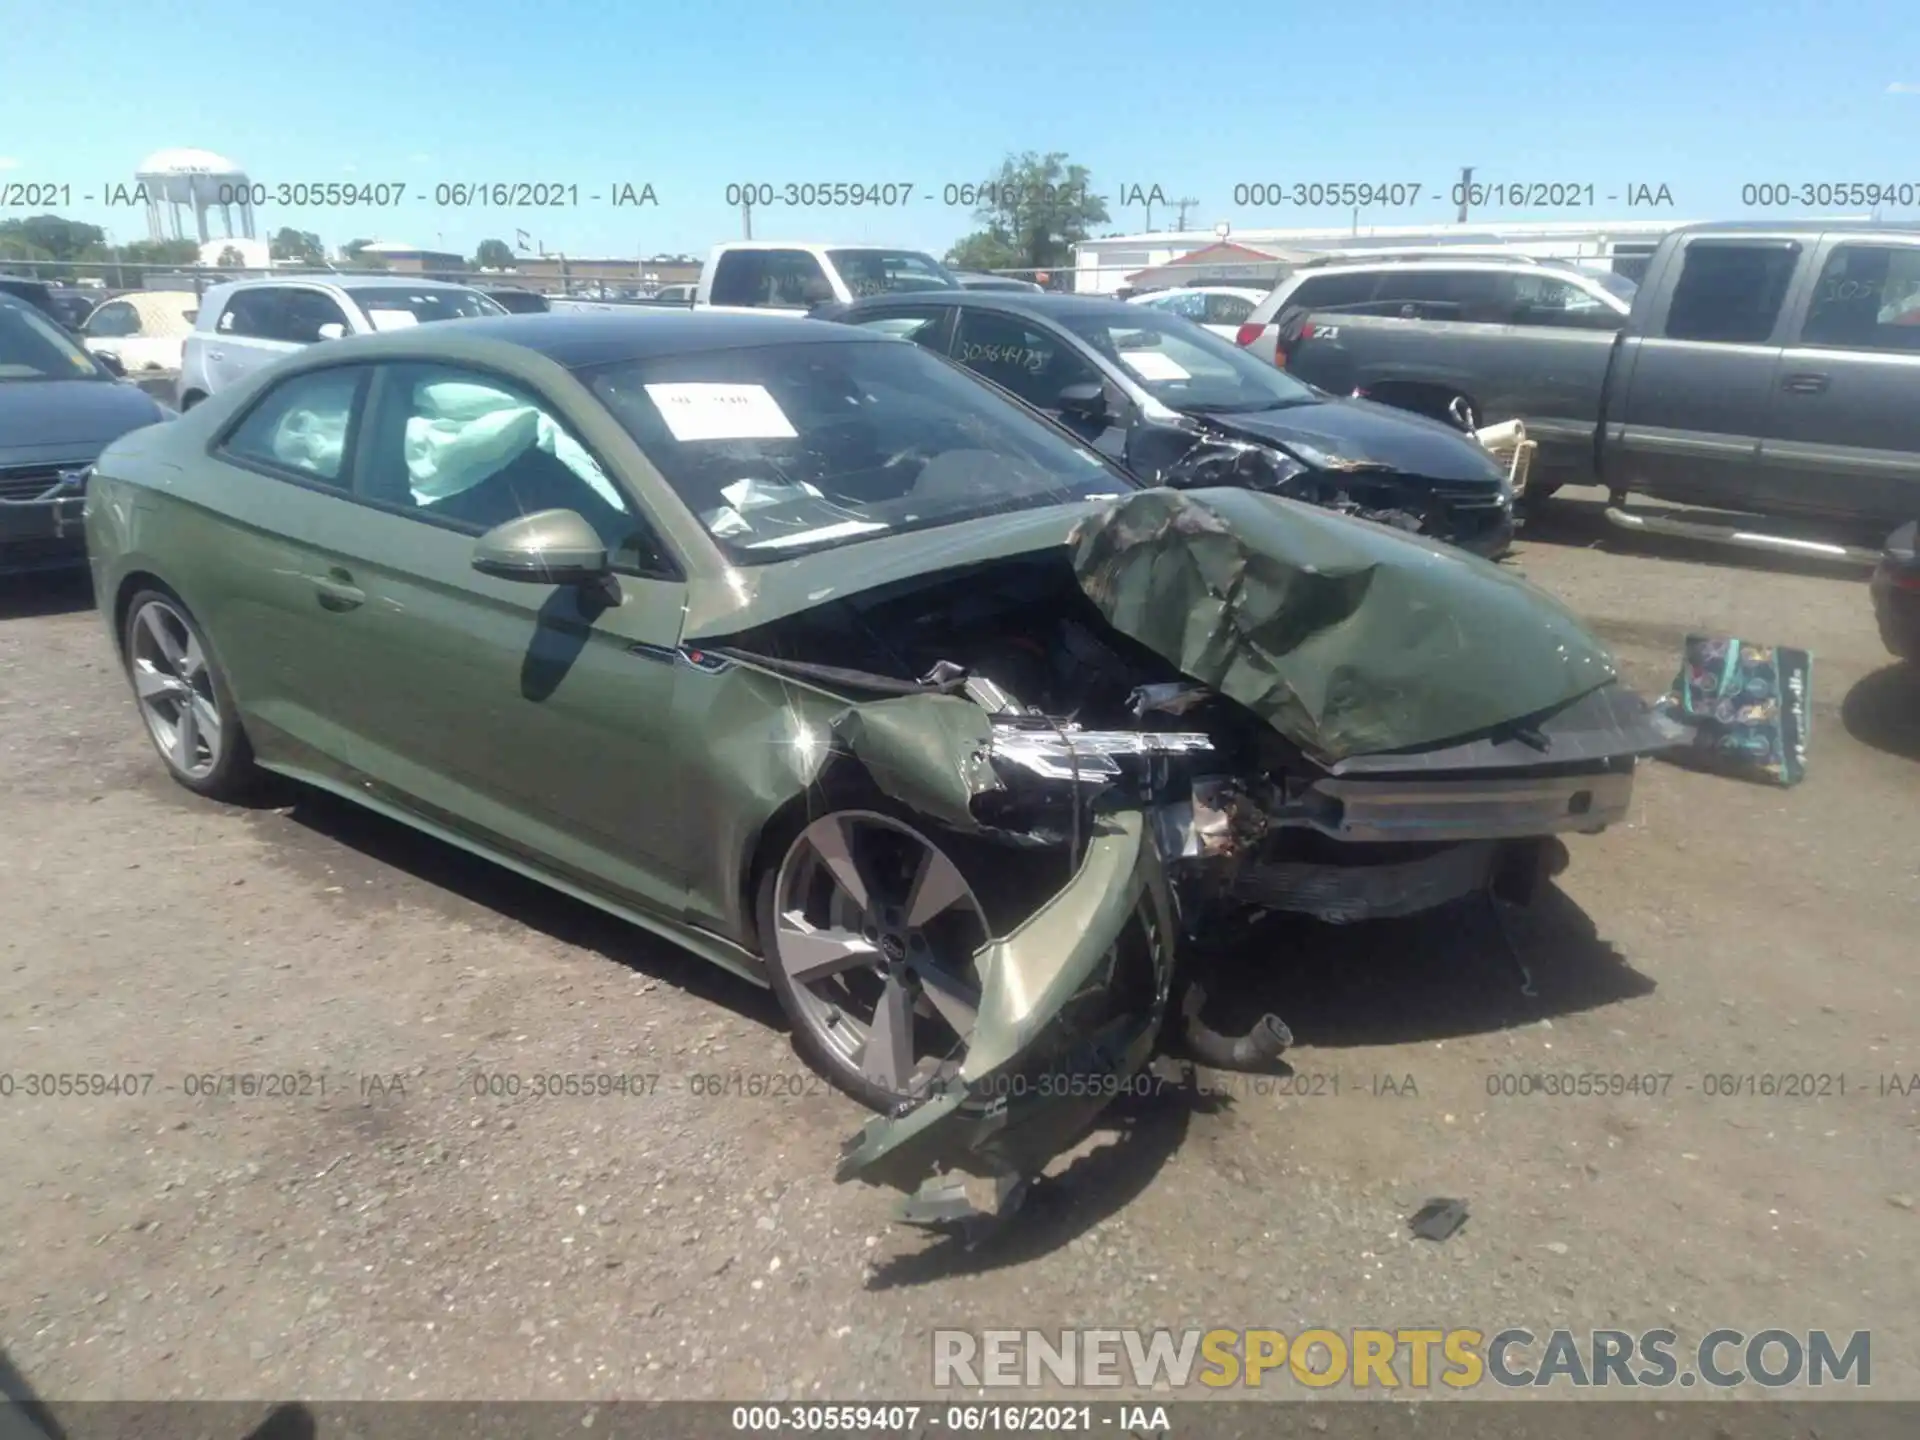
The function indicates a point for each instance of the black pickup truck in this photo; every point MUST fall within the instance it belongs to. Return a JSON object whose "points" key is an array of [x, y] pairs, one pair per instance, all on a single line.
{"points": [[1763, 369]]}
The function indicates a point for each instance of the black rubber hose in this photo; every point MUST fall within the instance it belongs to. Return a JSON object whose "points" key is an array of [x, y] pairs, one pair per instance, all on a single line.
{"points": [[1261, 1045]]}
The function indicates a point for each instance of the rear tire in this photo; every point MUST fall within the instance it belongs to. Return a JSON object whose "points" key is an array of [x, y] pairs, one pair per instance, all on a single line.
{"points": [[189, 400], [184, 700]]}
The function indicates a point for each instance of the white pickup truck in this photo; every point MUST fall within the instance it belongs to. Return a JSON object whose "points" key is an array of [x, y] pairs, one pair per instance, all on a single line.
{"points": [[791, 277]]}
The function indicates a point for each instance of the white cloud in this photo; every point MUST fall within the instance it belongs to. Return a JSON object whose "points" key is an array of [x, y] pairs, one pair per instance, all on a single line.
{"points": [[1903, 87], [7, 162], [420, 159]]}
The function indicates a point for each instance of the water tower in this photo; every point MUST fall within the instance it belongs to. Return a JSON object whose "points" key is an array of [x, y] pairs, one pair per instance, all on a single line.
{"points": [[180, 183]]}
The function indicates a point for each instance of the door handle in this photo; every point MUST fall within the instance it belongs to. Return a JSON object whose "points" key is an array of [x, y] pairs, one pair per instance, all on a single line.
{"points": [[1806, 384], [337, 592], [216, 354]]}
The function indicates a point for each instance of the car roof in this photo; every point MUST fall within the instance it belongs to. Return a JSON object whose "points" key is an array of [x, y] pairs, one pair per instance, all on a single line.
{"points": [[1024, 302], [580, 338]]}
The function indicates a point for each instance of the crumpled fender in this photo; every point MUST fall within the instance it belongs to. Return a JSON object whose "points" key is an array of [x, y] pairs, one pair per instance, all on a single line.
{"points": [[999, 1118], [929, 752], [1347, 637]]}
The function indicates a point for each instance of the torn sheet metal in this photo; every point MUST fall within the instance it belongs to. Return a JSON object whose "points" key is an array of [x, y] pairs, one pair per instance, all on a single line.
{"points": [[929, 752], [1049, 1050], [1345, 637]]}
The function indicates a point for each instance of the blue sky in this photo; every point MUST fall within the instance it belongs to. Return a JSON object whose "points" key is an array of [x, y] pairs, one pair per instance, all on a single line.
{"points": [[1699, 95]]}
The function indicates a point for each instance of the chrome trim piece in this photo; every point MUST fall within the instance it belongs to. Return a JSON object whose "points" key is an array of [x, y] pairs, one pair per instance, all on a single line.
{"points": [[1427, 810]]}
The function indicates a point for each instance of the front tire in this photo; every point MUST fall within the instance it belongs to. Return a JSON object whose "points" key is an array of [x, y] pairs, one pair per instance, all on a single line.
{"points": [[869, 922], [184, 700]]}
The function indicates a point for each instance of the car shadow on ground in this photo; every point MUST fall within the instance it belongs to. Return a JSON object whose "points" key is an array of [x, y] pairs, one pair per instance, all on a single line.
{"points": [[1447, 973], [49, 592], [1883, 711], [1451, 972], [1132, 1140], [377, 843], [1577, 517]]}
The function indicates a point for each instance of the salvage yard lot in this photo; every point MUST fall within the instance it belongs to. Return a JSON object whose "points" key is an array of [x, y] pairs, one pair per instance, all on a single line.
{"points": [[409, 1233]]}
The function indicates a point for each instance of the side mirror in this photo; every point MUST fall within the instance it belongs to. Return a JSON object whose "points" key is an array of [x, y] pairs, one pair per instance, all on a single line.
{"points": [[111, 363], [548, 547], [1087, 400], [332, 330]]}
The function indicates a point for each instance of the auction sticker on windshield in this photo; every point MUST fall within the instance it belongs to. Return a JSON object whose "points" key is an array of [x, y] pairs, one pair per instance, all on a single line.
{"points": [[392, 319], [1152, 365], [698, 411]]}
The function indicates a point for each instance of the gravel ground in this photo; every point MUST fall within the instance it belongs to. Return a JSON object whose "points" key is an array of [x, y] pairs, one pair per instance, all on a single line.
{"points": [[400, 1236]]}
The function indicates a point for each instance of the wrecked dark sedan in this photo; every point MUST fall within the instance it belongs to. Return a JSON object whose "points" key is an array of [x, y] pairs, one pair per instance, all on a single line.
{"points": [[803, 648], [1180, 406]]}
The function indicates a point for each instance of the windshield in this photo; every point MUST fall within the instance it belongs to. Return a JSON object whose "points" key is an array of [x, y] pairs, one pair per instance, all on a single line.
{"points": [[805, 446], [393, 307], [888, 272], [32, 347], [1185, 367]]}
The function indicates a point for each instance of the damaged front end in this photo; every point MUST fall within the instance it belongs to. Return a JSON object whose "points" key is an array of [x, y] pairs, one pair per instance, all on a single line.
{"points": [[1477, 516], [1208, 705]]}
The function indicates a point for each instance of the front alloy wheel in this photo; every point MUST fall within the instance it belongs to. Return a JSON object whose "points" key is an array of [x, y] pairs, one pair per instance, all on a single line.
{"points": [[871, 946]]}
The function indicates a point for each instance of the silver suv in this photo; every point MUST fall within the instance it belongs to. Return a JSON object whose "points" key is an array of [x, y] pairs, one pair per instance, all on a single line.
{"points": [[1488, 290], [247, 324]]}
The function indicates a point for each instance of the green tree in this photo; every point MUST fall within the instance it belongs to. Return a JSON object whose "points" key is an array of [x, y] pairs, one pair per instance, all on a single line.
{"points": [[1033, 213], [494, 255], [53, 236], [231, 258], [302, 245]]}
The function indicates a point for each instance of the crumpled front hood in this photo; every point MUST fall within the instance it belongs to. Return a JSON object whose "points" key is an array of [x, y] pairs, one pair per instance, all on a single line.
{"points": [[1349, 638], [1362, 432]]}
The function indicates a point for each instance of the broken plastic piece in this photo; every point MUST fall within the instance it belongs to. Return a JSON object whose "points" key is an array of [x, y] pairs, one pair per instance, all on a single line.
{"points": [[1438, 1219]]}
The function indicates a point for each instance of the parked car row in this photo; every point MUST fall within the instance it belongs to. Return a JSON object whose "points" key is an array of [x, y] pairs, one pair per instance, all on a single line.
{"points": [[1761, 369]]}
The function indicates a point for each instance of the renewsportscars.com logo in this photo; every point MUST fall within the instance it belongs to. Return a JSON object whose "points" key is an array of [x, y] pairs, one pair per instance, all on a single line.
{"points": [[1410, 1359]]}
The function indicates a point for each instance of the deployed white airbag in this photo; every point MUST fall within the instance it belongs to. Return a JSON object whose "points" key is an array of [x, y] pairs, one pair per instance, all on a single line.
{"points": [[461, 433], [311, 440]]}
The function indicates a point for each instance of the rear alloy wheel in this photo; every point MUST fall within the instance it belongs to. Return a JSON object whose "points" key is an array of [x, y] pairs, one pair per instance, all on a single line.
{"points": [[870, 932], [184, 701]]}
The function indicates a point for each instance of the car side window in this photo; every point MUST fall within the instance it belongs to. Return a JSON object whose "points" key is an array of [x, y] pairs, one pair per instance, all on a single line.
{"points": [[114, 318], [793, 277], [737, 278], [1322, 292], [1227, 309], [1867, 298], [474, 450], [303, 425], [1544, 300], [1730, 293], [921, 325], [1022, 358], [1188, 305], [254, 314], [306, 312]]}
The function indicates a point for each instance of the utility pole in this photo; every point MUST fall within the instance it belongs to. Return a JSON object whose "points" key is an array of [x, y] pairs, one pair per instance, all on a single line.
{"points": [[1149, 229], [746, 219], [1185, 203], [1466, 190]]}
